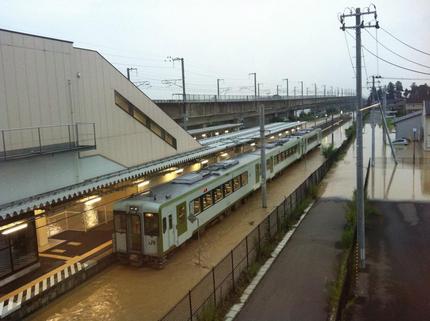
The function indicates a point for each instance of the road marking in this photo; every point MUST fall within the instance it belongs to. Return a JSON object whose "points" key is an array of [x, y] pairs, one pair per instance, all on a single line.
{"points": [[56, 256]]}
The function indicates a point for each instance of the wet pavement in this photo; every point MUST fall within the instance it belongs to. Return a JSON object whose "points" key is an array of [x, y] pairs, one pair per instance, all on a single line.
{"points": [[127, 293], [398, 264], [296, 286]]}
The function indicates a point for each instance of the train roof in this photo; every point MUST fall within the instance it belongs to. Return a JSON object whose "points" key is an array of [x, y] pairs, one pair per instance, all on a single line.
{"points": [[190, 181]]}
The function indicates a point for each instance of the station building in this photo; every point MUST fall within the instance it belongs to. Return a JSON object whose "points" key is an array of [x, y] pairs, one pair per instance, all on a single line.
{"points": [[67, 117]]}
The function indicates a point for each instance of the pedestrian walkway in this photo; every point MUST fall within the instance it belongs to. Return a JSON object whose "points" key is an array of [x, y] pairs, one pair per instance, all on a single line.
{"points": [[297, 285]]}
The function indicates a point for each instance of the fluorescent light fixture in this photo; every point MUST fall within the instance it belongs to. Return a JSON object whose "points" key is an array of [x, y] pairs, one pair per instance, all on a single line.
{"points": [[203, 135], [179, 171], [280, 134], [88, 198], [93, 200], [286, 132], [142, 184], [15, 228], [216, 133], [226, 131], [224, 154], [252, 144], [204, 162], [195, 138], [292, 130], [272, 137]]}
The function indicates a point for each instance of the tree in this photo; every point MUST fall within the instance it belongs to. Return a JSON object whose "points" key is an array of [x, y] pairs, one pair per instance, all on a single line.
{"points": [[390, 90], [398, 89]]}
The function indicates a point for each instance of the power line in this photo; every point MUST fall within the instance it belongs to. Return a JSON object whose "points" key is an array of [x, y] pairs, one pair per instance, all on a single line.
{"points": [[364, 63], [349, 54], [389, 33], [389, 62], [395, 53]]}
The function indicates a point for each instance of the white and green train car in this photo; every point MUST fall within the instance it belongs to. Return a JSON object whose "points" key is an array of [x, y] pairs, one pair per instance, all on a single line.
{"points": [[149, 226]]}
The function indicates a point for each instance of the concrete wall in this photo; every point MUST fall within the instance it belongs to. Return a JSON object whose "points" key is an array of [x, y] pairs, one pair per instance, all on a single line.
{"points": [[46, 82]]}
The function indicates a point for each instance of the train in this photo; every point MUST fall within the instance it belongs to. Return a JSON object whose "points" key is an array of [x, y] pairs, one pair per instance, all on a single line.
{"points": [[150, 225]]}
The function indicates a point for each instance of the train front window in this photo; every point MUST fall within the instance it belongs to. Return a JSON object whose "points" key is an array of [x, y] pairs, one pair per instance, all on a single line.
{"points": [[150, 224], [120, 221]]}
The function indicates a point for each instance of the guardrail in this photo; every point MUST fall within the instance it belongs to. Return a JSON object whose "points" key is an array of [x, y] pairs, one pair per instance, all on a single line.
{"points": [[26, 142], [216, 285], [226, 98]]}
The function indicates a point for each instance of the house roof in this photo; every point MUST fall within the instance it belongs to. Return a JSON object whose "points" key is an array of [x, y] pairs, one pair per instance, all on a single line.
{"points": [[408, 116]]}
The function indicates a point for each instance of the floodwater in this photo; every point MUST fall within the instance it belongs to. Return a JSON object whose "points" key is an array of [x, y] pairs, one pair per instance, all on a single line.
{"points": [[405, 181], [127, 293]]}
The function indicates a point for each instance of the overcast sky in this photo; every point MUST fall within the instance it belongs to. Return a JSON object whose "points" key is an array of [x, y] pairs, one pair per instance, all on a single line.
{"points": [[228, 39]]}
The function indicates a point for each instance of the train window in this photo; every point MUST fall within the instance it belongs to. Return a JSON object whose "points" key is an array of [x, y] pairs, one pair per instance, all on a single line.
{"points": [[257, 173], [150, 224], [170, 222], [228, 188], [120, 221], [244, 178], [218, 194], [236, 183], [207, 200], [164, 225], [197, 206]]}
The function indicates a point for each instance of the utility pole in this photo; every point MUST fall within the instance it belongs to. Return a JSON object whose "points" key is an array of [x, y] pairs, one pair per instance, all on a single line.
{"points": [[359, 24], [217, 86], [184, 95], [373, 120], [262, 147], [315, 87], [303, 110], [277, 90], [286, 80], [294, 91], [128, 72], [307, 91], [324, 90], [258, 88]]}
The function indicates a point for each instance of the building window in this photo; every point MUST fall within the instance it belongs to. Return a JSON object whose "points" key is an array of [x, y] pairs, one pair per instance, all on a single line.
{"points": [[137, 114]]}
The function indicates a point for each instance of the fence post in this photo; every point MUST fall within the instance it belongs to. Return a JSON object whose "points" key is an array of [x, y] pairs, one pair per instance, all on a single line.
{"points": [[191, 307], [259, 237], [4, 144], [77, 134], [70, 136], [247, 256], [214, 284], [40, 140], [268, 225], [232, 267]]}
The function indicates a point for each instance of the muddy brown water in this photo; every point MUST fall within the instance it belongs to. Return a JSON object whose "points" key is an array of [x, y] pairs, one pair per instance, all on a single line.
{"points": [[127, 293]]}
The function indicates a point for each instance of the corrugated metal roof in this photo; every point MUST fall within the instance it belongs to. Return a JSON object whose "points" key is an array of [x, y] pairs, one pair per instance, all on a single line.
{"points": [[62, 194]]}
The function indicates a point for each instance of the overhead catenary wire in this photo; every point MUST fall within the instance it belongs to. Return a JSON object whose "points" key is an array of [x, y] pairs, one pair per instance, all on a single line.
{"points": [[389, 62], [407, 45], [349, 54], [395, 53]]}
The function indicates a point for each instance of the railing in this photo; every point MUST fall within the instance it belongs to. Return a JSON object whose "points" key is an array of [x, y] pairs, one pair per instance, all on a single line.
{"points": [[226, 98], [26, 142], [215, 286]]}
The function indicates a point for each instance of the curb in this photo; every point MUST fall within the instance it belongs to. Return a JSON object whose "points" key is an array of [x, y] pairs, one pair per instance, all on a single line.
{"points": [[236, 308]]}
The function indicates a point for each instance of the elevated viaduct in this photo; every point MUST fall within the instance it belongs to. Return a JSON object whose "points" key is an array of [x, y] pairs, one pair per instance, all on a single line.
{"points": [[212, 110]]}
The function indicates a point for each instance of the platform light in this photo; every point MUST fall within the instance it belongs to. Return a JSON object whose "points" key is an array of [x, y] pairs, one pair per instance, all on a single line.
{"points": [[252, 144], [292, 130], [88, 198], [216, 133], [224, 154], [341, 112], [272, 137], [15, 228], [205, 161], [93, 200], [179, 171], [286, 132], [203, 135], [142, 184], [226, 131], [280, 134], [195, 138]]}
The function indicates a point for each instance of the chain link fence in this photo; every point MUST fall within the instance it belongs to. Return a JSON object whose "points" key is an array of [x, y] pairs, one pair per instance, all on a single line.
{"points": [[215, 286]]}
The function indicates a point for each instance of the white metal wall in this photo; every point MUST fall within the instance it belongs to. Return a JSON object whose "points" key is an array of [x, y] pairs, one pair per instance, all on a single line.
{"points": [[49, 82]]}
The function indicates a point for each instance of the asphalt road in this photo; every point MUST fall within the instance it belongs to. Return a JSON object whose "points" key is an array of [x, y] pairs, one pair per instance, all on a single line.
{"points": [[398, 264], [296, 286]]}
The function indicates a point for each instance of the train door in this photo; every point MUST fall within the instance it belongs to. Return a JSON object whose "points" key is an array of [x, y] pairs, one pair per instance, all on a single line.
{"points": [[181, 218], [151, 232], [269, 164], [170, 231], [128, 236], [135, 236]]}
